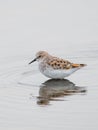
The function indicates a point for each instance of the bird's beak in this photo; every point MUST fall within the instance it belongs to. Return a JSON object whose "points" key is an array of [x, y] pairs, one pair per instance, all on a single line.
{"points": [[33, 61]]}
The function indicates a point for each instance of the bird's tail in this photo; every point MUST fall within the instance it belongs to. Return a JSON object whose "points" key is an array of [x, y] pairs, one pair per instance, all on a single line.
{"points": [[78, 65]]}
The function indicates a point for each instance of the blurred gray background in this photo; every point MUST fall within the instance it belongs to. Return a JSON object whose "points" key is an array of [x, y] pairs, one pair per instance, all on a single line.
{"points": [[27, 25]]}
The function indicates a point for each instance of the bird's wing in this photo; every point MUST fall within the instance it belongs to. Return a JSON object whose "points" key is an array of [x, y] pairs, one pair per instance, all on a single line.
{"points": [[58, 63]]}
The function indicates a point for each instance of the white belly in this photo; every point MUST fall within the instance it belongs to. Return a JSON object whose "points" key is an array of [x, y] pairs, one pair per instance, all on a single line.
{"points": [[57, 74]]}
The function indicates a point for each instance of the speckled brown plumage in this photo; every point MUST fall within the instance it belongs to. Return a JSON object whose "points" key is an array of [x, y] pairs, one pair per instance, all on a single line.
{"points": [[57, 63]]}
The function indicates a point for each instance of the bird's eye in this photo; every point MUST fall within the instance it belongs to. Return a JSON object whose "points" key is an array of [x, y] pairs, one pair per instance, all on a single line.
{"points": [[39, 57]]}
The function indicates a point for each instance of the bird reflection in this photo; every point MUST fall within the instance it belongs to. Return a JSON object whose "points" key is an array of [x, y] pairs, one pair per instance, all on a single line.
{"points": [[53, 89]]}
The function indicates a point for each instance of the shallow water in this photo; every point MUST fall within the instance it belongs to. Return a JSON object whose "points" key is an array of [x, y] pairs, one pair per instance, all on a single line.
{"points": [[29, 100]]}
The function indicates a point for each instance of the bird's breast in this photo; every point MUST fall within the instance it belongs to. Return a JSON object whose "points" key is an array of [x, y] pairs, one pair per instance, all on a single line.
{"points": [[42, 66]]}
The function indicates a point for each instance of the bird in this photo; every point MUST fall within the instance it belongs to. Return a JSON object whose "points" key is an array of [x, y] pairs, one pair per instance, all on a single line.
{"points": [[54, 67]]}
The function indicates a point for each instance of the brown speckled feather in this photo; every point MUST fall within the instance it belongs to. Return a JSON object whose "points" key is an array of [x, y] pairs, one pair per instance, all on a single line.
{"points": [[57, 63]]}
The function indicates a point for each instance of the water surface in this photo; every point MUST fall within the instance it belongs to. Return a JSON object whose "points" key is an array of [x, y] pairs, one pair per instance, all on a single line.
{"points": [[29, 100]]}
